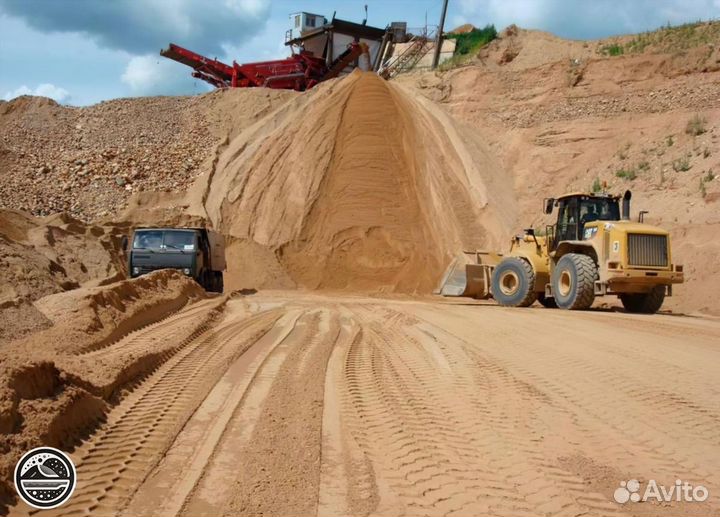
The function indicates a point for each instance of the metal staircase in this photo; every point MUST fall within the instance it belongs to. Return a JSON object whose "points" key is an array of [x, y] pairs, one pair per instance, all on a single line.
{"points": [[419, 46]]}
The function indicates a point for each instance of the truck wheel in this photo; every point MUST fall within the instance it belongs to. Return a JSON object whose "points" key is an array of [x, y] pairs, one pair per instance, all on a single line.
{"points": [[204, 281], [573, 281], [513, 281], [644, 303], [219, 284], [547, 302]]}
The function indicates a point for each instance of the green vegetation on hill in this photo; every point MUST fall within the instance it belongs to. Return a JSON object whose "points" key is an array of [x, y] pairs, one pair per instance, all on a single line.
{"points": [[667, 39], [471, 42], [613, 50], [468, 45]]}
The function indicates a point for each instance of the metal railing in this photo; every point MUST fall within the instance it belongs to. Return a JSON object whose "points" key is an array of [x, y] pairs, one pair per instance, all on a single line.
{"points": [[419, 45]]}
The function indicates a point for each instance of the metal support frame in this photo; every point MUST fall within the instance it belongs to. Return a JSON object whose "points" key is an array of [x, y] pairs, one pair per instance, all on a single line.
{"points": [[439, 39]]}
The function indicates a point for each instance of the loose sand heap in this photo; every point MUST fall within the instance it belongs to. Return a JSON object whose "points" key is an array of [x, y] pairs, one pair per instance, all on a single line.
{"points": [[42, 256], [365, 189]]}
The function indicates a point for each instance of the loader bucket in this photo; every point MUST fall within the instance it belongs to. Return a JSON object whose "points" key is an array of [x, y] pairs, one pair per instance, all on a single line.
{"points": [[468, 275]]}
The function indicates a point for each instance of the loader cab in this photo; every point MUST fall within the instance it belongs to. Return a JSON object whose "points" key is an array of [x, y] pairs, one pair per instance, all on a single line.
{"points": [[575, 211]]}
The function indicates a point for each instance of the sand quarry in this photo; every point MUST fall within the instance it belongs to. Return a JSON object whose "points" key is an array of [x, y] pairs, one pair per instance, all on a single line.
{"points": [[328, 380]]}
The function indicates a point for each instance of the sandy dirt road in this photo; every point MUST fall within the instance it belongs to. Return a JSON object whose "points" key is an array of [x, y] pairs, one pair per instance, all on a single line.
{"points": [[311, 404]]}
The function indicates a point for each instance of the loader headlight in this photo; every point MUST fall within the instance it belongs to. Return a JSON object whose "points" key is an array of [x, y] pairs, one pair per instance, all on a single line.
{"points": [[136, 270], [186, 270], [590, 232]]}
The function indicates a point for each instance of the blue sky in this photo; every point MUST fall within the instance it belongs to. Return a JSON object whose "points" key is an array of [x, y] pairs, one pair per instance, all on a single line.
{"points": [[83, 51]]}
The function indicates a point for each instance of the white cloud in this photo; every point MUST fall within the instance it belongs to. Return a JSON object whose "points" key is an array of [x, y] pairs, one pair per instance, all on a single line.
{"points": [[140, 27], [137, 30], [142, 72], [266, 45], [155, 75], [583, 20], [255, 8], [43, 90]]}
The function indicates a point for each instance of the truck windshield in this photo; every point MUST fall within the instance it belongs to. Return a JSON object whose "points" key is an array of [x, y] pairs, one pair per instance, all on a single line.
{"points": [[179, 240], [158, 239]]}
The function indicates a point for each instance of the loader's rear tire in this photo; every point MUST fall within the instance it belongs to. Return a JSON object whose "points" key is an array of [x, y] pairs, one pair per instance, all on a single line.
{"points": [[547, 302], [644, 303], [573, 281], [513, 283]]}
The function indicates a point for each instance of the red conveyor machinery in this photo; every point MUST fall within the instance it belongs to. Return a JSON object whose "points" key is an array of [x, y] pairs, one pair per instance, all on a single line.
{"points": [[298, 72]]}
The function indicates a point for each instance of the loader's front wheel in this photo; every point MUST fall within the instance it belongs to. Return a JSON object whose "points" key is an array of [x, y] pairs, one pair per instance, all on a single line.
{"points": [[644, 303], [573, 281], [513, 283]]}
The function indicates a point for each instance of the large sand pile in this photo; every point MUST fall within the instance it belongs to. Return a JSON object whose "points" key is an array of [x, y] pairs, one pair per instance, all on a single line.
{"points": [[358, 186], [353, 185]]}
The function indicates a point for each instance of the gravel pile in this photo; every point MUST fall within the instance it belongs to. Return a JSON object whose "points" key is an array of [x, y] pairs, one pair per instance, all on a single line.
{"points": [[88, 161]]}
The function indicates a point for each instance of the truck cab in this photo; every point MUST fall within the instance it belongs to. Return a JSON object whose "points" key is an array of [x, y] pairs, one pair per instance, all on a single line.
{"points": [[197, 252]]}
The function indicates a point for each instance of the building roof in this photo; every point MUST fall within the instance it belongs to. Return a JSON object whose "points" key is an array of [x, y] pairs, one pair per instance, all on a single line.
{"points": [[343, 27], [305, 12]]}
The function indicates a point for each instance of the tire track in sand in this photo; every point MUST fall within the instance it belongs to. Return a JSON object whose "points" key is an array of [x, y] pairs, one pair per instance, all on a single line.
{"points": [[426, 427], [357, 406], [347, 482], [270, 454], [139, 430], [599, 418], [165, 490], [149, 332], [140, 352], [404, 436]]}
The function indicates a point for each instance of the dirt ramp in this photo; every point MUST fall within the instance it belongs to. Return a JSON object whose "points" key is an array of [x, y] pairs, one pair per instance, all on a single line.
{"points": [[356, 186]]}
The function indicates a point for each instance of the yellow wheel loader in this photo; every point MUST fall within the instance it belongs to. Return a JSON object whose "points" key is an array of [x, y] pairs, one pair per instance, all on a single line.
{"points": [[593, 249]]}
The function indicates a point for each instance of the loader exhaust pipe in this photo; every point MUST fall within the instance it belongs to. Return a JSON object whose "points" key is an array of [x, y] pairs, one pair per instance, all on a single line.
{"points": [[626, 205]]}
